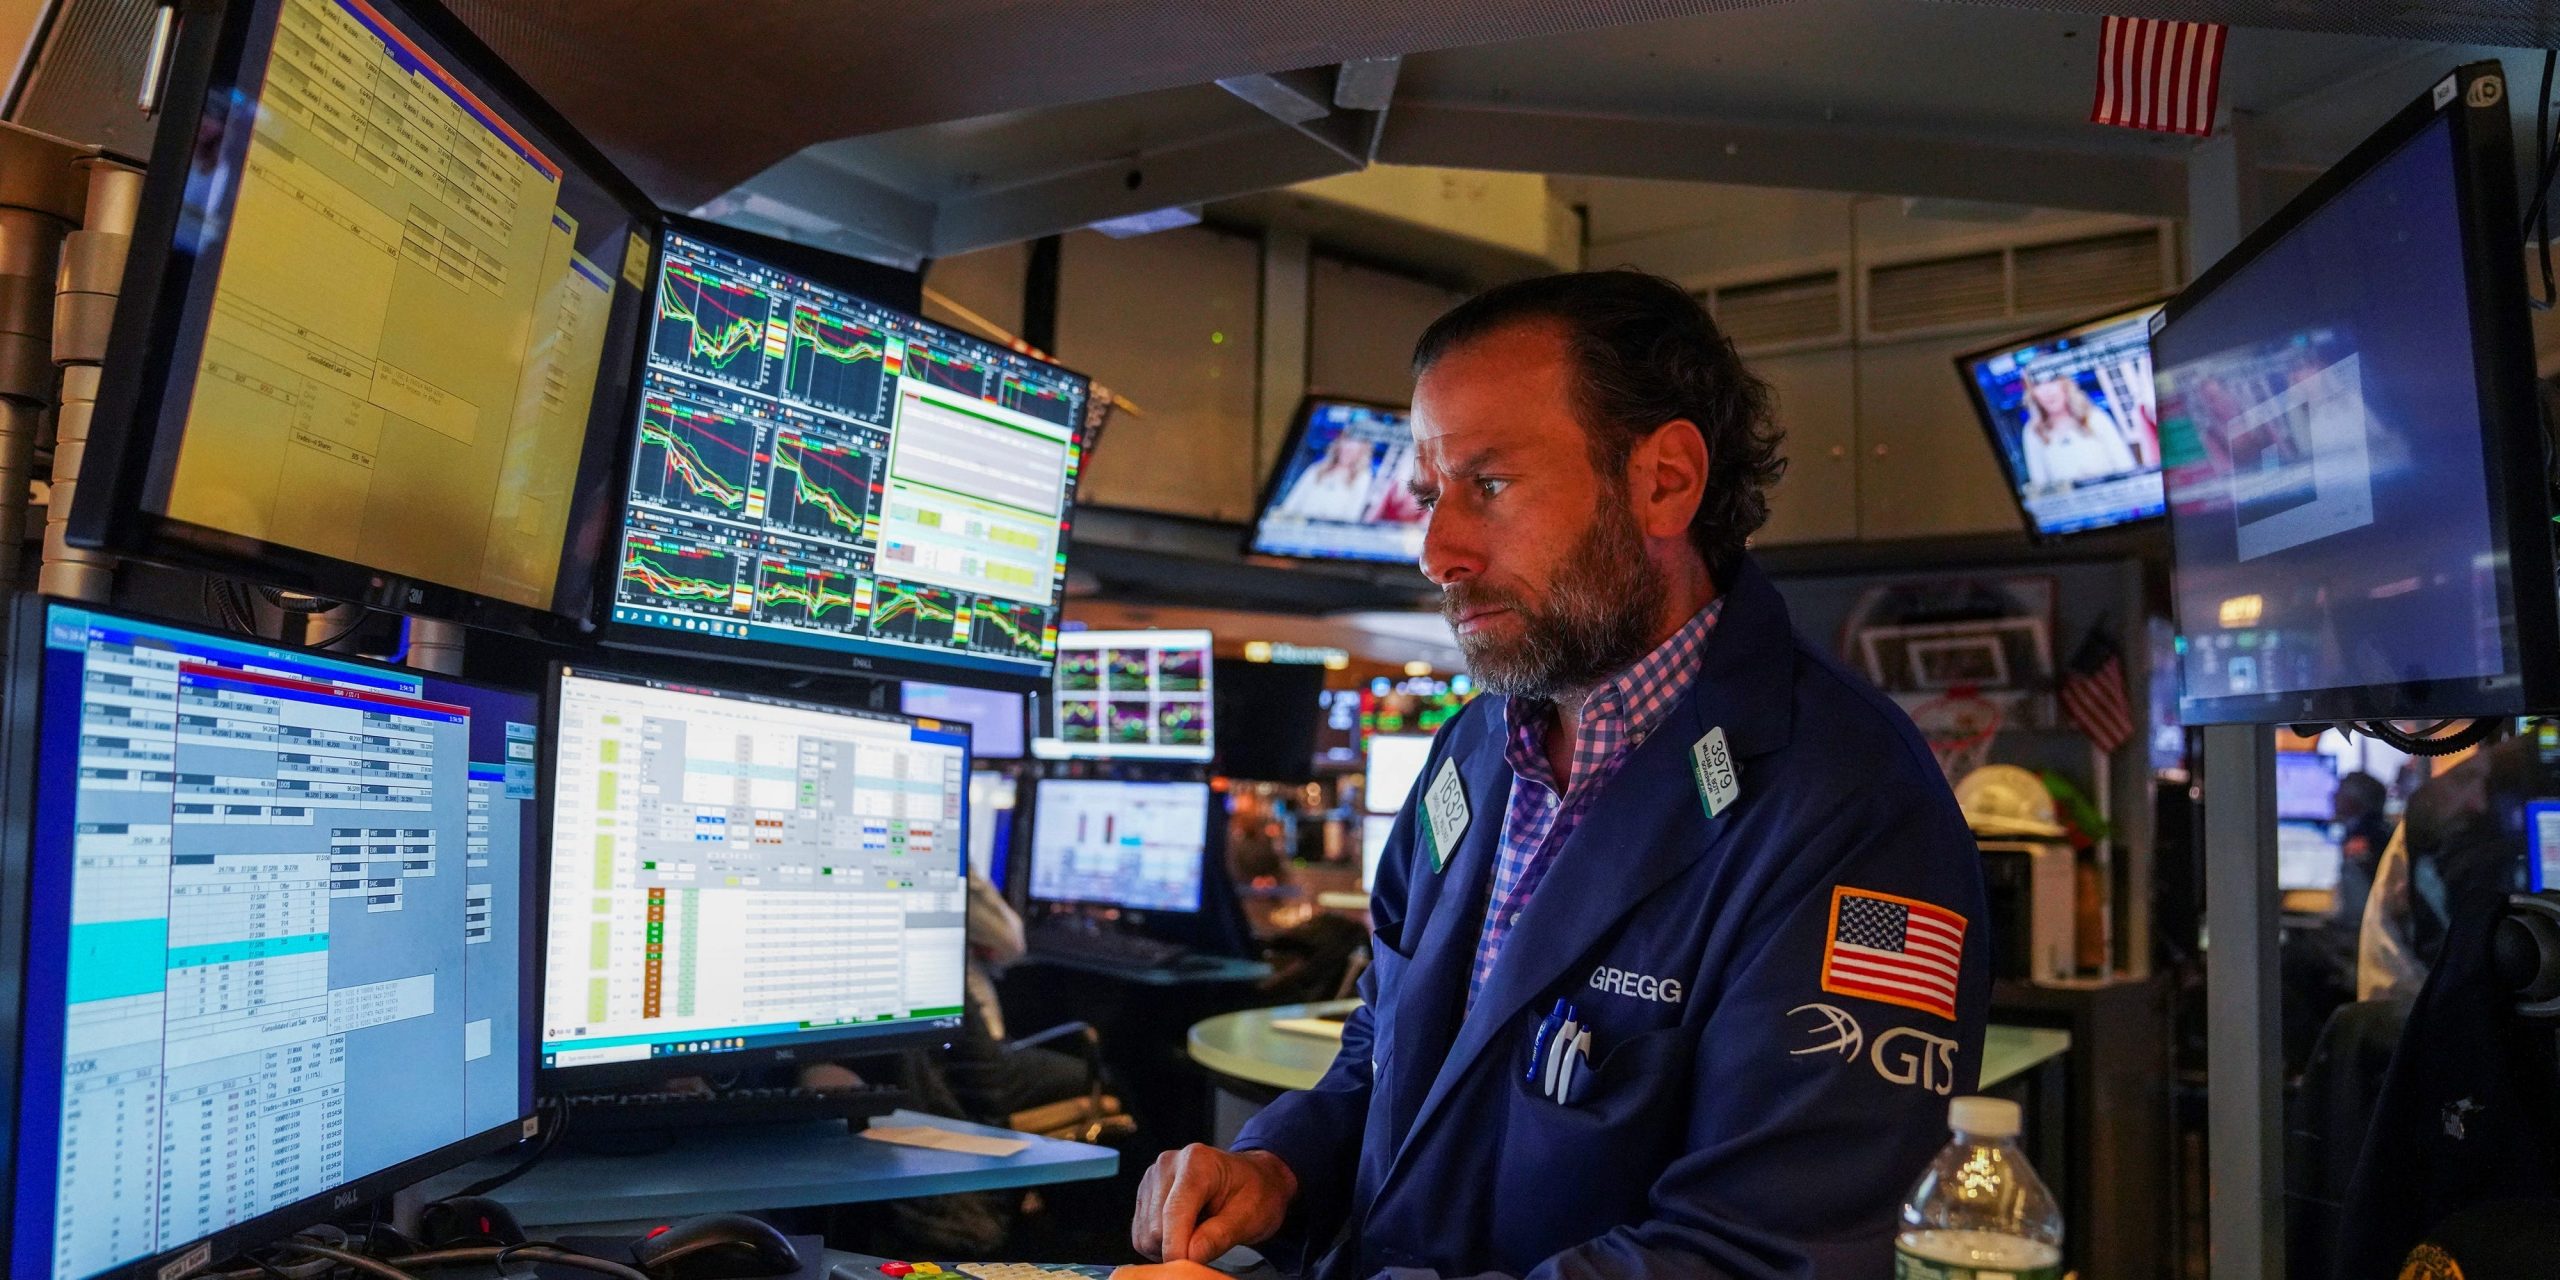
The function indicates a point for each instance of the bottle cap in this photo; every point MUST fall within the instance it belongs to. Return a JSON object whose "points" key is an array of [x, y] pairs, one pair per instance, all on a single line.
{"points": [[1984, 1117]]}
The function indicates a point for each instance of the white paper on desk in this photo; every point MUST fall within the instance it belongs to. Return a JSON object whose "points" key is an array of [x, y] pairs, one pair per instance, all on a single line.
{"points": [[931, 1138], [1324, 1028]]}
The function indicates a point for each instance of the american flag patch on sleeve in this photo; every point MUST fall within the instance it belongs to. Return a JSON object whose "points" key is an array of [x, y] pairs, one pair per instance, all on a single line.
{"points": [[1895, 950]]}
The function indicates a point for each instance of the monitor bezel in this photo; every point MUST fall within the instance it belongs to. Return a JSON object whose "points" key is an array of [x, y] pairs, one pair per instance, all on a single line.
{"points": [[1027, 822], [1299, 424], [818, 1046], [1989, 421], [884, 661], [20, 738], [125, 426], [2510, 430]]}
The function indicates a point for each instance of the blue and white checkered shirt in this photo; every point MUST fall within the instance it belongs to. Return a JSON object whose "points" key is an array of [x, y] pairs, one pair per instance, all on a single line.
{"points": [[1616, 719]]}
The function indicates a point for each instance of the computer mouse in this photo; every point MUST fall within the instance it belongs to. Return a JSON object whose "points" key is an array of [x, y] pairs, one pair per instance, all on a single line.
{"points": [[716, 1246], [468, 1220]]}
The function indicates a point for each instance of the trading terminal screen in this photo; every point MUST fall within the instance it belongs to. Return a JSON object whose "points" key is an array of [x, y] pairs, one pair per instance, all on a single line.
{"points": [[821, 472], [427, 413], [1341, 490], [1138, 845], [280, 934], [2330, 502], [1131, 695], [2075, 422], [732, 873]]}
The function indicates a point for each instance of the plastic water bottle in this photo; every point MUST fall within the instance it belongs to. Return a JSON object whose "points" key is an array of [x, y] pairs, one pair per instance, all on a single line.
{"points": [[1980, 1212]]}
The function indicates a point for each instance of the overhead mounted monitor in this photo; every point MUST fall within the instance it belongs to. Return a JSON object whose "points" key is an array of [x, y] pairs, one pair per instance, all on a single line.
{"points": [[820, 480], [377, 327], [270, 937], [738, 879], [1104, 842], [1395, 763], [1131, 695], [2355, 467], [2073, 418], [1340, 491], [997, 719]]}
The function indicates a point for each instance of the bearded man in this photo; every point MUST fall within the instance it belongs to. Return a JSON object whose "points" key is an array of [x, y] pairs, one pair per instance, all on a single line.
{"points": [[1678, 945]]}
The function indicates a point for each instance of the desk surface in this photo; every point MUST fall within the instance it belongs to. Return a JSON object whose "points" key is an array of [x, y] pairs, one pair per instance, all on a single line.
{"points": [[1247, 1047], [771, 1167]]}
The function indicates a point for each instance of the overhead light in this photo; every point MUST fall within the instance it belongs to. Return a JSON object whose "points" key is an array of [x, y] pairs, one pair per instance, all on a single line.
{"points": [[1417, 668], [1148, 223]]}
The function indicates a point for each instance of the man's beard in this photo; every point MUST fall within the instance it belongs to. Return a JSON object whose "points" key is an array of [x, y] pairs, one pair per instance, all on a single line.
{"points": [[1596, 621]]}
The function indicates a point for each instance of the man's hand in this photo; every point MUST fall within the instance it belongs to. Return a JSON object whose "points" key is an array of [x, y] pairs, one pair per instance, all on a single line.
{"points": [[1199, 1202], [1168, 1271]]}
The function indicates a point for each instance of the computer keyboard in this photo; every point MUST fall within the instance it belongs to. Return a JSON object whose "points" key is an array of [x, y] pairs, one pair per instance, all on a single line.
{"points": [[1103, 946], [596, 1113]]}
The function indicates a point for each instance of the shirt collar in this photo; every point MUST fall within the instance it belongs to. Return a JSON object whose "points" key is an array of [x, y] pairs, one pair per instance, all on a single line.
{"points": [[1629, 704]]}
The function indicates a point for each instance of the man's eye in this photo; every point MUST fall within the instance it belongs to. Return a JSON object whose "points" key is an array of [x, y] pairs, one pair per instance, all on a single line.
{"points": [[1492, 488], [1426, 501]]}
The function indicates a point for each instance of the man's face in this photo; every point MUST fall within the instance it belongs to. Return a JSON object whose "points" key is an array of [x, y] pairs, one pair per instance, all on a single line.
{"points": [[1542, 569]]}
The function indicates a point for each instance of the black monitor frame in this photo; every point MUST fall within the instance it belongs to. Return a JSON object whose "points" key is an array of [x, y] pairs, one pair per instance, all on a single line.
{"points": [[1299, 423], [1990, 421], [814, 1046], [898, 291], [2513, 443], [21, 693], [160, 276]]}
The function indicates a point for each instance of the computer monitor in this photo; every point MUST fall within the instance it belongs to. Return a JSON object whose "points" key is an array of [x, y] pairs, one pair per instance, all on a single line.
{"points": [[1338, 730], [1374, 830], [1340, 492], [2072, 417], [739, 879], [991, 799], [821, 480], [1395, 761], [2355, 468], [996, 718], [2542, 844], [2307, 856], [1416, 704], [1130, 695], [1140, 846], [2306, 786], [377, 323], [1267, 715], [276, 914]]}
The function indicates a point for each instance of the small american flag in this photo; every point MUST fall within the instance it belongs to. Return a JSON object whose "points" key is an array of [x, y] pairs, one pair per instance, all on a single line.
{"points": [[2159, 75], [2092, 693], [1896, 950]]}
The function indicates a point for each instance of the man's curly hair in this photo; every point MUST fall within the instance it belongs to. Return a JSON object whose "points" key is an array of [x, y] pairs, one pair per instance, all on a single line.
{"points": [[1644, 353]]}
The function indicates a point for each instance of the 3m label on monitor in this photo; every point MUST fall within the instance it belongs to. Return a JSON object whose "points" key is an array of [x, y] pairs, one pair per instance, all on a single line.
{"points": [[819, 471], [406, 326], [732, 873], [279, 933]]}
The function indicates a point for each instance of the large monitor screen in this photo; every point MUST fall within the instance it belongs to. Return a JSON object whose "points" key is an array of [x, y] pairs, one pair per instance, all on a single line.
{"points": [[2306, 786], [376, 339], [2336, 457], [2073, 419], [997, 719], [1340, 491], [279, 936], [1395, 761], [1137, 845], [835, 481], [733, 874], [1130, 695]]}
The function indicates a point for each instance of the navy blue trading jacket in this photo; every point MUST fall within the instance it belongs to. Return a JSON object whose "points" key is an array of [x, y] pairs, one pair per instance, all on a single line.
{"points": [[1755, 1120]]}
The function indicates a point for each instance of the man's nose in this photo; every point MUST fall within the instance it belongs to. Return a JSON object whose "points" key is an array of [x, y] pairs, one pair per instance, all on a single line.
{"points": [[1451, 550]]}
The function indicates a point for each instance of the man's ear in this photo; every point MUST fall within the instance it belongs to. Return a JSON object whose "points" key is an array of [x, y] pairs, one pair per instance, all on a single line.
{"points": [[1668, 478]]}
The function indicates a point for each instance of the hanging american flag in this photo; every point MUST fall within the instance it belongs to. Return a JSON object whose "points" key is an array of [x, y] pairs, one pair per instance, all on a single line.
{"points": [[2159, 75], [1897, 950], [2093, 694]]}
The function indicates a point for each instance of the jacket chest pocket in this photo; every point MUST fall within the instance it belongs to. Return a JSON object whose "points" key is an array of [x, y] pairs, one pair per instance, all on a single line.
{"points": [[1615, 1138]]}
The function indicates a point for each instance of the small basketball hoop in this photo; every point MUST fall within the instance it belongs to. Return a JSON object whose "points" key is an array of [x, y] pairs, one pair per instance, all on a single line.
{"points": [[1959, 727]]}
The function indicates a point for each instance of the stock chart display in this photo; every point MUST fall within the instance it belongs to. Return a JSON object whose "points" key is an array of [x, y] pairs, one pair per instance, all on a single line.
{"points": [[818, 471]]}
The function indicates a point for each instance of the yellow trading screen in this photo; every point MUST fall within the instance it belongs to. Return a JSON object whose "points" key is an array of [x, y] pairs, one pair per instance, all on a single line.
{"points": [[404, 339]]}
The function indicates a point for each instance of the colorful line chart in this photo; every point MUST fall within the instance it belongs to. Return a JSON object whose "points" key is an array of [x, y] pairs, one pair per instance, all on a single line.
{"points": [[1045, 402], [801, 595], [823, 488], [667, 574], [835, 363], [1007, 627], [711, 325], [944, 369], [694, 456], [917, 614]]}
